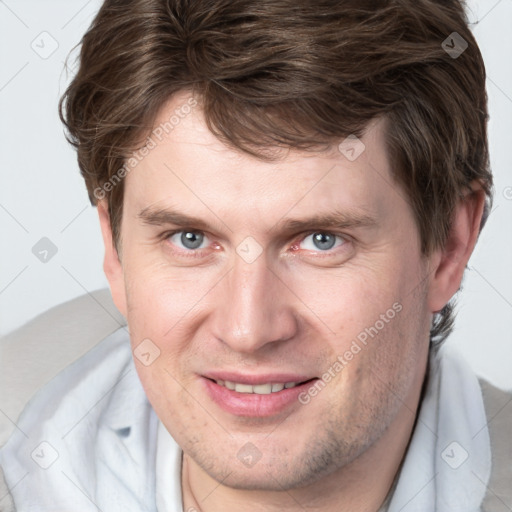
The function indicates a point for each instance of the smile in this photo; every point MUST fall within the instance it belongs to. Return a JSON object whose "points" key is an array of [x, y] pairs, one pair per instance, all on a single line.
{"points": [[261, 398], [260, 389]]}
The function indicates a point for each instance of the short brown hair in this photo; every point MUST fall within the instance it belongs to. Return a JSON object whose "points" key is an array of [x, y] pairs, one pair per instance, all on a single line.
{"points": [[296, 74]]}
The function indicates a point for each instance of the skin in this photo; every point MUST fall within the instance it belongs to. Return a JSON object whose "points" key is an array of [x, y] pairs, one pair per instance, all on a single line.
{"points": [[296, 308]]}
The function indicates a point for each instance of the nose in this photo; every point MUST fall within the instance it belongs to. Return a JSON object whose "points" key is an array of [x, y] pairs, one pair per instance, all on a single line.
{"points": [[255, 308]]}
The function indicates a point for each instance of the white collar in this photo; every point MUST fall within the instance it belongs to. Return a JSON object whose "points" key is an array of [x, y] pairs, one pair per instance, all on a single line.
{"points": [[169, 459], [448, 463]]}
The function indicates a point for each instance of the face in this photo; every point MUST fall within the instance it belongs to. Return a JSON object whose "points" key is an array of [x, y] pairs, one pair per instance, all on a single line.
{"points": [[283, 304]]}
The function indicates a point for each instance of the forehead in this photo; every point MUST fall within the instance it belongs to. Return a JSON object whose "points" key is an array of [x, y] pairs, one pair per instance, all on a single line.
{"points": [[188, 167]]}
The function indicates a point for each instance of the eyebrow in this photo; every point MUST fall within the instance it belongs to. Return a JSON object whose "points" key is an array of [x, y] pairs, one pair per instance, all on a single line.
{"points": [[164, 216], [333, 220]]}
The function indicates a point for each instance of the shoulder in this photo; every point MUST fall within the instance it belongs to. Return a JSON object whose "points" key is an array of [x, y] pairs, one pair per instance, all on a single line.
{"points": [[82, 392], [72, 419], [61, 421], [498, 409], [36, 352]]}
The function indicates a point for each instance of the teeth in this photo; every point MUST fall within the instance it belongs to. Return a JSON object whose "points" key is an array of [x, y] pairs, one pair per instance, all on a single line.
{"points": [[263, 389], [259, 389], [243, 388]]}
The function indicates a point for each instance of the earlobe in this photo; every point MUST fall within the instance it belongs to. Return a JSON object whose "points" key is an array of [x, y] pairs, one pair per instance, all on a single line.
{"points": [[111, 262], [448, 263]]}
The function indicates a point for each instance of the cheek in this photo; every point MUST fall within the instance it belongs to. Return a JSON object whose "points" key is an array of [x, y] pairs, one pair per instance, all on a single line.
{"points": [[352, 298], [372, 316], [393, 347], [161, 297], [167, 306]]}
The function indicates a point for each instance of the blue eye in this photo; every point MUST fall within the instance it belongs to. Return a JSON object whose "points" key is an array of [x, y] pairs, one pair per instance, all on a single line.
{"points": [[190, 240], [322, 241]]}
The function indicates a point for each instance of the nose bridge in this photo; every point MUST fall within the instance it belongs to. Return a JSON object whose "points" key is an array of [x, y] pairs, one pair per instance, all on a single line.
{"points": [[254, 308]]}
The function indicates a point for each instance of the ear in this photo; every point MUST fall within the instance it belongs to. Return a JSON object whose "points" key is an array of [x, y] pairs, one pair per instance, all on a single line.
{"points": [[112, 264], [448, 263]]}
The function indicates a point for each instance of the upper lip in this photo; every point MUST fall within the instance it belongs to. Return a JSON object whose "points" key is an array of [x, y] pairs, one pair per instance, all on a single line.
{"points": [[255, 380]]}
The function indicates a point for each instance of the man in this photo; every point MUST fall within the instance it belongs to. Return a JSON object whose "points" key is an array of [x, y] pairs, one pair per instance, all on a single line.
{"points": [[288, 194]]}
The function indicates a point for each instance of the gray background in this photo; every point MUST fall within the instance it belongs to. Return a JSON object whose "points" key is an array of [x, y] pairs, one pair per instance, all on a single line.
{"points": [[43, 195]]}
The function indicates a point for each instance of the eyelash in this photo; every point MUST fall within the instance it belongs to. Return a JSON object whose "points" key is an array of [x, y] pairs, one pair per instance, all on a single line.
{"points": [[191, 253], [319, 253], [198, 253]]}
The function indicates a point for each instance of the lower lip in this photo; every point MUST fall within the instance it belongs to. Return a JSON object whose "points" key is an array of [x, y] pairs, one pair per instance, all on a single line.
{"points": [[252, 404]]}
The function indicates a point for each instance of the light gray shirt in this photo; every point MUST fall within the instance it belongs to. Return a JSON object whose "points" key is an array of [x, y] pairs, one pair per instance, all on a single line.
{"points": [[90, 440]]}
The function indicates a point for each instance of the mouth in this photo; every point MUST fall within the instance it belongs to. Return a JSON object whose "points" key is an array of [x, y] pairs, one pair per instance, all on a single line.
{"points": [[257, 397], [259, 389]]}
